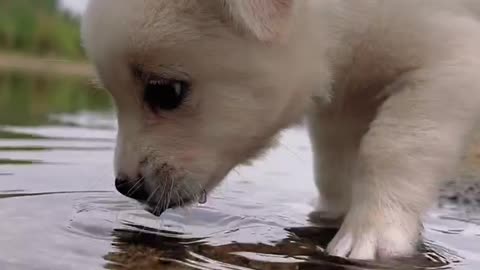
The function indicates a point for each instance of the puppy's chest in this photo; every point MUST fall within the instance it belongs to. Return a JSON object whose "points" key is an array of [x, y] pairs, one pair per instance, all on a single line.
{"points": [[364, 69]]}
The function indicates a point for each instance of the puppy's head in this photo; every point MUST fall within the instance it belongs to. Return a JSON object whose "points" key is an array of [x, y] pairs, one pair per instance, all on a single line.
{"points": [[199, 86]]}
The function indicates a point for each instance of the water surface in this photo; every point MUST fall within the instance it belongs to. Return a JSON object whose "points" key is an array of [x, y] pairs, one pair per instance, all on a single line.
{"points": [[59, 209]]}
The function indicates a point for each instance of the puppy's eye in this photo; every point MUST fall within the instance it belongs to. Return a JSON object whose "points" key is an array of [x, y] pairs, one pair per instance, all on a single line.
{"points": [[165, 95]]}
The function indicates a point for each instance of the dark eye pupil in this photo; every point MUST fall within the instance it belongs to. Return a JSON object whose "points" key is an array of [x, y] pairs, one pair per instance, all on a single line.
{"points": [[165, 95]]}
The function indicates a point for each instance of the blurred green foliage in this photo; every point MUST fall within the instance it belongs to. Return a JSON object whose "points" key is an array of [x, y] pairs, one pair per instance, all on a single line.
{"points": [[37, 27], [31, 99]]}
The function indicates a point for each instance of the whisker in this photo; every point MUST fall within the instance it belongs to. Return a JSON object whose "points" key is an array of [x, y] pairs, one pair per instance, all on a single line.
{"points": [[160, 185], [153, 193], [192, 190], [136, 186], [179, 196], [171, 190], [169, 187]]}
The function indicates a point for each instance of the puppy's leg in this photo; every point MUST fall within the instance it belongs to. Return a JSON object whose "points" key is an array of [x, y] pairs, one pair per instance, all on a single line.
{"points": [[411, 146], [335, 141]]}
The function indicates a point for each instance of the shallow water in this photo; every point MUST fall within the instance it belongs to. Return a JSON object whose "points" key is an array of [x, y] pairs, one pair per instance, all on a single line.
{"points": [[59, 210]]}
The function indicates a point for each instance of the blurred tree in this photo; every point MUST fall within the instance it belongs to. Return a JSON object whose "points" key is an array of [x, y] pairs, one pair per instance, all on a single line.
{"points": [[39, 27]]}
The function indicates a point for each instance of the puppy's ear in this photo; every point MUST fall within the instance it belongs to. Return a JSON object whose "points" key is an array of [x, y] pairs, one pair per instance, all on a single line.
{"points": [[267, 20]]}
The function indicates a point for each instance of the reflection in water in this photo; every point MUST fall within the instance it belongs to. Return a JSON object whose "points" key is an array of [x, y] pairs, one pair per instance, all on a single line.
{"points": [[5, 161], [59, 209], [52, 148], [32, 101], [16, 193], [4, 134], [145, 248], [162, 248]]}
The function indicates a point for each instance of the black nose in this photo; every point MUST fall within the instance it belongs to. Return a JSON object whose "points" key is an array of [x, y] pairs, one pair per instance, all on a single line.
{"points": [[132, 189]]}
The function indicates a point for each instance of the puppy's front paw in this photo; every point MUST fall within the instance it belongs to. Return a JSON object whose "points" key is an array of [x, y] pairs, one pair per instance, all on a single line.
{"points": [[382, 234]]}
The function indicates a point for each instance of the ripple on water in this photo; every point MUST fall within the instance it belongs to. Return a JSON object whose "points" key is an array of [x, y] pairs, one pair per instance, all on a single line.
{"points": [[204, 237]]}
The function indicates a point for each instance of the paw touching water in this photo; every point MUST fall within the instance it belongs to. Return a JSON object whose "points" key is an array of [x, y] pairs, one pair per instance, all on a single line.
{"points": [[383, 234]]}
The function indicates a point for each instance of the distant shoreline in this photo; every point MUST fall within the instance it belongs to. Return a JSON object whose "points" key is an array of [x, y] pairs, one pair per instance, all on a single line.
{"points": [[44, 65]]}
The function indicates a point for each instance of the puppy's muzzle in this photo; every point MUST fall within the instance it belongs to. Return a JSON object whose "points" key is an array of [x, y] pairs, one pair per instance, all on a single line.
{"points": [[136, 190]]}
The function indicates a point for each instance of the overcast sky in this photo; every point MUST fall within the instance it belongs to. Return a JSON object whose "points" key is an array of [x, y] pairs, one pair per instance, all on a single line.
{"points": [[76, 6]]}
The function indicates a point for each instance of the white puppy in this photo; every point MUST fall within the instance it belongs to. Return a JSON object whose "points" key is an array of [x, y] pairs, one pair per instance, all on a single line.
{"points": [[391, 90]]}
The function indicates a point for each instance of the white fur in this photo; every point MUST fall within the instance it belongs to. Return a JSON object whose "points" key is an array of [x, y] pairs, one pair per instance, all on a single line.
{"points": [[390, 88]]}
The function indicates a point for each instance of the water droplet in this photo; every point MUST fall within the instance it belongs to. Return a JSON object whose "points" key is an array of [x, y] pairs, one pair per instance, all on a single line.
{"points": [[203, 197]]}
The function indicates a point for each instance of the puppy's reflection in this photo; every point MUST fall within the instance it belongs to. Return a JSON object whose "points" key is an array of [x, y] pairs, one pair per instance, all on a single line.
{"points": [[142, 248]]}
